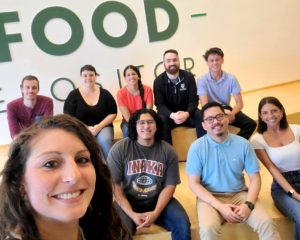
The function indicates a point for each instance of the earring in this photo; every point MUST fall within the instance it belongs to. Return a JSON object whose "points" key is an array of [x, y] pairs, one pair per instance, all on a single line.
{"points": [[262, 120]]}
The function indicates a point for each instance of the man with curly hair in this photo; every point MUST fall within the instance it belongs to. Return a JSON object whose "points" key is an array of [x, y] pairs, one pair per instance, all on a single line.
{"points": [[145, 172]]}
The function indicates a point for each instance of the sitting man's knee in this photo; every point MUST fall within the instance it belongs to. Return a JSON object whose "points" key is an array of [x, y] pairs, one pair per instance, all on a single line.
{"points": [[209, 229]]}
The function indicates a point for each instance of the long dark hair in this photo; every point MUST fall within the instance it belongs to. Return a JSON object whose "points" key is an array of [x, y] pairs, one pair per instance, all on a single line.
{"points": [[141, 88], [101, 221], [262, 126], [132, 133]]}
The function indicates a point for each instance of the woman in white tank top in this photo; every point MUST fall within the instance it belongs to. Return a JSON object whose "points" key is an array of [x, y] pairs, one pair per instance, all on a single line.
{"points": [[277, 146]]}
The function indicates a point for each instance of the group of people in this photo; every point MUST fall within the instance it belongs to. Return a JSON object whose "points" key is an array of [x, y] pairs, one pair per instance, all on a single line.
{"points": [[56, 182]]}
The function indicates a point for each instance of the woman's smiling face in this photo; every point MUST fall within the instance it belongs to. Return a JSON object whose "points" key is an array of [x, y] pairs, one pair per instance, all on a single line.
{"points": [[59, 179], [271, 114]]}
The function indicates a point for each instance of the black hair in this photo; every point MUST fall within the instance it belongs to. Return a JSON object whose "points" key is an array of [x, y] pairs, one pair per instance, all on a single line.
{"points": [[30, 77], [170, 51], [88, 68], [262, 126], [132, 133], [215, 50], [210, 105], [141, 88]]}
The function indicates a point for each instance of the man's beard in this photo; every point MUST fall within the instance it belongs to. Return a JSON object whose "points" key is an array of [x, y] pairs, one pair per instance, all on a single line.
{"points": [[173, 70], [220, 134]]}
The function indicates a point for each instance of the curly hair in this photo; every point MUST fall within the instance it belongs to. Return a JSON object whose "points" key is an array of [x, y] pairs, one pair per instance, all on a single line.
{"points": [[215, 50], [101, 221], [141, 88], [262, 126], [132, 133]]}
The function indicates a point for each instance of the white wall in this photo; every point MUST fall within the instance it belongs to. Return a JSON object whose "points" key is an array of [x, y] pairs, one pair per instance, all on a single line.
{"points": [[260, 40]]}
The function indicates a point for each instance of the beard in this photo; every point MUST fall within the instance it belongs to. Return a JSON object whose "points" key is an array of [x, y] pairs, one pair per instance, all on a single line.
{"points": [[173, 70], [220, 134]]}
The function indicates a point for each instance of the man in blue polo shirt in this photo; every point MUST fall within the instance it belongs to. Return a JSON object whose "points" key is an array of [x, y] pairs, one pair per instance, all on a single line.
{"points": [[215, 165], [217, 86]]}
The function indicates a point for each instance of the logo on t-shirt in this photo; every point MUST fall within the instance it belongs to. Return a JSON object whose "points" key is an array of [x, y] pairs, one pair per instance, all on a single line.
{"points": [[145, 190], [145, 166], [144, 180], [182, 87]]}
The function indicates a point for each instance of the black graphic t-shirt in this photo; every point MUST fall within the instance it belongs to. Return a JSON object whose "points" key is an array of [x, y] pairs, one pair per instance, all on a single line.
{"points": [[141, 171]]}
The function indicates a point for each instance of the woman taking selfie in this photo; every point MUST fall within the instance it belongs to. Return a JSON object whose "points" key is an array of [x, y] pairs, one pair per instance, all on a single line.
{"points": [[133, 96], [55, 185], [277, 146], [94, 106]]}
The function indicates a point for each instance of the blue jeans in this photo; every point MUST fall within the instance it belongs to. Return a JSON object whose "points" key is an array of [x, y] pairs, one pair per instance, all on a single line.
{"points": [[124, 127], [286, 204], [173, 218], [105, 139]]}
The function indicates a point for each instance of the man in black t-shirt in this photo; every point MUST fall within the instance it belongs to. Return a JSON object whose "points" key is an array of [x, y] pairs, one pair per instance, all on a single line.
{"points": [[145, 169], [175, 96]]}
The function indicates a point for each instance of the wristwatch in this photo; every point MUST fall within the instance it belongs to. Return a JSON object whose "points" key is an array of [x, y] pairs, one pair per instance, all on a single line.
{"points": [[291, 192], [250, 205]]}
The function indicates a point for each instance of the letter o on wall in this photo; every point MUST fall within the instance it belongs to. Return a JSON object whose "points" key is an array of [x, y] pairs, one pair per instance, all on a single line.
{"points": [[57, 80], [97, 24], [38, 31]]}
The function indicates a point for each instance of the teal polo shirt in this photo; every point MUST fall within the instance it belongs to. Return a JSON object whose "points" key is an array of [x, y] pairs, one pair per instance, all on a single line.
{"points": [[218, 91], [221, 165]]}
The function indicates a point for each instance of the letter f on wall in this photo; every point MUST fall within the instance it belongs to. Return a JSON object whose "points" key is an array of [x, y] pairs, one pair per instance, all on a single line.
{"points": [[150, 6], [7, 17]]}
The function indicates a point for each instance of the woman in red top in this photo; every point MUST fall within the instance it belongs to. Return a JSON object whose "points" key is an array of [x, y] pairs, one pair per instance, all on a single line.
{"points": [[133, 96]]}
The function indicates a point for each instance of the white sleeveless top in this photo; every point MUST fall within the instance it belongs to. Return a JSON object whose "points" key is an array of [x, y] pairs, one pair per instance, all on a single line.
{"points": [[285, 158]]}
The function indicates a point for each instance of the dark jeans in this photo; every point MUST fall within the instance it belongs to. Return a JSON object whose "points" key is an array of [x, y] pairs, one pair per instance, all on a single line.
{"points": [[286, 204], [124, 127], [192, 121], [173, 218], [247, 125]]}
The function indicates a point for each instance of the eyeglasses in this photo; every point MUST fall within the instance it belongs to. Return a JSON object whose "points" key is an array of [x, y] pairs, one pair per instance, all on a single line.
{"points": [[219, 117], [142, 123]]}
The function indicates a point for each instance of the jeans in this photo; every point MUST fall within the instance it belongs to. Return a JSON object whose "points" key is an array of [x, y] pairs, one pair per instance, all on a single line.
{"points": [[286, 204], [105, 139], [193, 121], [173, 218], [124, 127]]}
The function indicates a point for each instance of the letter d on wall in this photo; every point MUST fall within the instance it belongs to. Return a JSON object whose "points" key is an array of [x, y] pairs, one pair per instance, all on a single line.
{"points": [[150, 6]]}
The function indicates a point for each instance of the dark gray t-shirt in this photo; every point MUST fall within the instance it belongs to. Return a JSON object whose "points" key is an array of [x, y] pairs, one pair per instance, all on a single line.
{"points": [[141, 171]]}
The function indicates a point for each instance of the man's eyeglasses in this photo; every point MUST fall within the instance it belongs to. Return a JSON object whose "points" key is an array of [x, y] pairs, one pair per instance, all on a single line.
{"points": [[143, 122], [219, 117]]}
